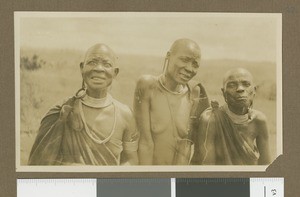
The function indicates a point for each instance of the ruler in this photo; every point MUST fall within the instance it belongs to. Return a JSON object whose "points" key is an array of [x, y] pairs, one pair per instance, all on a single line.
{"points": [[174, 187]]}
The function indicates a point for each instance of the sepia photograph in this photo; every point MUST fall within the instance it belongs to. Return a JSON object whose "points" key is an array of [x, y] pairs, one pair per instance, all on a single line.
{"points": [[141, 91]]}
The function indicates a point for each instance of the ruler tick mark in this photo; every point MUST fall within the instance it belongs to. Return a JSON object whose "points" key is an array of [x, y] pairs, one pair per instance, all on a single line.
{"points": [[264, 191]]}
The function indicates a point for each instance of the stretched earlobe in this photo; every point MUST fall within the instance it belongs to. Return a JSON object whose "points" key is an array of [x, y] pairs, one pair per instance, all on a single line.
{"points": [[224, 94], [116, 71], [223, 91], [83, 85], [168, 54], [255, 88], [166, 63], [81, 65]]}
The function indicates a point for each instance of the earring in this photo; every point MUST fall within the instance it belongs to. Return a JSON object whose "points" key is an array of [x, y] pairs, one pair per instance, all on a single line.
{"points": [[83, 85], [165, 65], [81, 92]]}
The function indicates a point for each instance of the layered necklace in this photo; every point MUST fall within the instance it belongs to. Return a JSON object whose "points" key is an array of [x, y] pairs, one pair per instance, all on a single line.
{"points": [[181, 89], [97, 102], [237, 119]]}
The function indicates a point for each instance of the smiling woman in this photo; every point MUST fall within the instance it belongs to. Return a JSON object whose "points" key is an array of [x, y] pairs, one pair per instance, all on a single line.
{"points": [[163, 107], [90, 128], [98, 70]]}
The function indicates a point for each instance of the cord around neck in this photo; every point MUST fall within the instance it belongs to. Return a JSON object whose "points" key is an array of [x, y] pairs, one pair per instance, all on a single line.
{"points": [[181, 91], [95, 102], [237, 119]]}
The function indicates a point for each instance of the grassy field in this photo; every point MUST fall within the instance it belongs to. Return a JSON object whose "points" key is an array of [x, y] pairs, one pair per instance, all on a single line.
{"points": [[60, 78]]}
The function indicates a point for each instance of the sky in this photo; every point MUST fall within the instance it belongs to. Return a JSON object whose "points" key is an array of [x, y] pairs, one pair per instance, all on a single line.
{"points": [[254, 37]]}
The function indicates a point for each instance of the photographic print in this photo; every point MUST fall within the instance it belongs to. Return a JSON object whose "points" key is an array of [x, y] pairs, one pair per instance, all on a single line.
{"points": [[124, 91]]}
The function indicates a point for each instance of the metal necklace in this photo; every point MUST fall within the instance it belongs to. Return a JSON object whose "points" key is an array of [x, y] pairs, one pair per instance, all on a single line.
{"points": [[90, 133], [175, 129]]}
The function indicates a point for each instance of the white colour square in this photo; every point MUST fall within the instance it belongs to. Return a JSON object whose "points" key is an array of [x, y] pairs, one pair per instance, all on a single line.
{"points": [[57, 187], [266, 187]]}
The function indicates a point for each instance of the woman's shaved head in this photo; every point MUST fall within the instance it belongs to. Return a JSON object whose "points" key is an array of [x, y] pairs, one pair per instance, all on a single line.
{"points": [[184, 43], [100, 50], [236, 72]]}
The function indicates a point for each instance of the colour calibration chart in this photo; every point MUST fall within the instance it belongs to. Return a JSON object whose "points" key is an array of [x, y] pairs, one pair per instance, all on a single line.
{"points": [[174, 187]]}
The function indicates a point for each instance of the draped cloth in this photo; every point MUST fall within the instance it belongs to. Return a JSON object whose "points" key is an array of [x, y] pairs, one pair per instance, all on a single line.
{"points": [[60, 143], [199, 104], [231, 147]]}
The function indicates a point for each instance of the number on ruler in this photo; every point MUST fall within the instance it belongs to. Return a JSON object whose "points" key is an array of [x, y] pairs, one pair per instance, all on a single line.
{"points": [[273, 191]]}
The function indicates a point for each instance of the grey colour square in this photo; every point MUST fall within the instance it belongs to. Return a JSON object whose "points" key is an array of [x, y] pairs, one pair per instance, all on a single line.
{"points": [[134, 187]]}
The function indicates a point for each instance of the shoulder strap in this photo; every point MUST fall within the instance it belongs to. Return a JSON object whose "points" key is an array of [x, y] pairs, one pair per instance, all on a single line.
{"points": [[199, 99], [199, 104]]}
